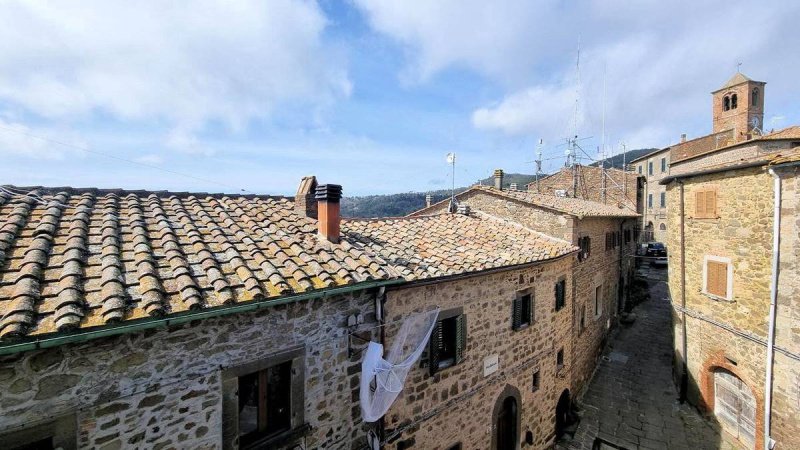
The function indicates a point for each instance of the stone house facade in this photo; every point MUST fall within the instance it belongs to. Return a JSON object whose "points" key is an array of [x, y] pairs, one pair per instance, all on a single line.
{"points": [[131, 319], [721, 279], [602, 272], [653, 167]]}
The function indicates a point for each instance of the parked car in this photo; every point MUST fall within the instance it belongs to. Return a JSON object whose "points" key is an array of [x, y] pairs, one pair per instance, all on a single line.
{"points": [[656, 249]]}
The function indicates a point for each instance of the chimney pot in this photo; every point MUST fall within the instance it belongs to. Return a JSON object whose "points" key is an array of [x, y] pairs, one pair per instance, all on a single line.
{"points": [[683, 138], [328, 197], [498, 179], [428, 200], [304, 202]]}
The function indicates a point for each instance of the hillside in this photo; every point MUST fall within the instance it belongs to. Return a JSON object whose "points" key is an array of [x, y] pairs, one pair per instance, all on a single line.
{"points": [[396, 205]]}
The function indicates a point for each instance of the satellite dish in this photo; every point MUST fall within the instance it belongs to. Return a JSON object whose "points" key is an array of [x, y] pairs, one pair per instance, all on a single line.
{"points": [[451, 158]]}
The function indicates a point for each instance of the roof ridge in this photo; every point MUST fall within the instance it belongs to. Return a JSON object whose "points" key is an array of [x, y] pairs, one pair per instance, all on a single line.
{"points": [[523, 227], [161, 193]]}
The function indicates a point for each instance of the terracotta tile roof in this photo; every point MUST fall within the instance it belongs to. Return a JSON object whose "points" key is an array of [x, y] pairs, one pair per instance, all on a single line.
{"points": [[449, 244], [792, 132], [700, 146], [736, 79], [80, 258], [573, 206], [590, 184], [784, 157]]}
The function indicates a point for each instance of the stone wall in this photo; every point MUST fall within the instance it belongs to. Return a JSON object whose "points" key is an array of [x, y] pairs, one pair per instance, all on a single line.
{"points": [[654, 214], [742, 232], [729, 156], [162, 388], [457, 403]]}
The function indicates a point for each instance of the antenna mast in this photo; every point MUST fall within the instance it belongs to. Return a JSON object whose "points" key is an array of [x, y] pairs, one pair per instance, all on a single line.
{"points": [[451, 159], [603, 143], [538, 162]]}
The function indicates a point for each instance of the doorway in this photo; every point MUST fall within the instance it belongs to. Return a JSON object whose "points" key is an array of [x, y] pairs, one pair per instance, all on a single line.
{"points": [[562, 414], [735, 406], [507, 425]]}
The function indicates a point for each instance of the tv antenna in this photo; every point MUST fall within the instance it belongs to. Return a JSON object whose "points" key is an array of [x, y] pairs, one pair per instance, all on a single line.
{"points": [[451, 159]]}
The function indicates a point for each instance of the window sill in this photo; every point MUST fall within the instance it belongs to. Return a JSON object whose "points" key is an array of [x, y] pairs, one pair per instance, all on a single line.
{"points": [[279, 439], [521, 327], [717, 298]]}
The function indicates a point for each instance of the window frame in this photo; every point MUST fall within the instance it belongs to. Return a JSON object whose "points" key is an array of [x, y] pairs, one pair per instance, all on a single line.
{"points": [[650, 201], [662, 200], [62, 431], [560, 364], [650, 168], [640, 169], [598, 300], [728, 273], [562, 302], [435, 364], [297, 424], [663, 164], [585, 244], [536, 380]]}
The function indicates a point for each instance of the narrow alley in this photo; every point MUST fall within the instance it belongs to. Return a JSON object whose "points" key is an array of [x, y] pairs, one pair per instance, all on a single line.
{"points": [[632, 402]]}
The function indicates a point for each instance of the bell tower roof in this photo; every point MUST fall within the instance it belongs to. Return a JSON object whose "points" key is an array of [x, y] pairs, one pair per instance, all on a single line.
{"points": [[736, 80]]}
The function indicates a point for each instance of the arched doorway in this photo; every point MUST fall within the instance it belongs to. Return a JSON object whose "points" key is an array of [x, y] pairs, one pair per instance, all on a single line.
{"points": [[563, 418], [507, 425], [648, 232], [506, 419], [735, 406]]}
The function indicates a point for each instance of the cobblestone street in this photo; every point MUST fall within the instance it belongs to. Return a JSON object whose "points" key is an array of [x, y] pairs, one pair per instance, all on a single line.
{"points": [[632, 401]]}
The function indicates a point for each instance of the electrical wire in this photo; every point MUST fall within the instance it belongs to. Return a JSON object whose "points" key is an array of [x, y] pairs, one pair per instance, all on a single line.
{"points": [[130, 161]]}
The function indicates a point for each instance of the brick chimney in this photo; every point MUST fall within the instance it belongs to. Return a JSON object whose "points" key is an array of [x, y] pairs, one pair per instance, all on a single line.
{"points": [[498, 179], [304, 202], [328, 196], [683, 138], [428, 200]]}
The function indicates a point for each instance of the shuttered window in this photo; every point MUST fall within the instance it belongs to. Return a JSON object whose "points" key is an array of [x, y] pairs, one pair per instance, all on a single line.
{"points": [[585, 243], [717, 278], [522, 312], [705, 204], [448, 341], [561, 294]]}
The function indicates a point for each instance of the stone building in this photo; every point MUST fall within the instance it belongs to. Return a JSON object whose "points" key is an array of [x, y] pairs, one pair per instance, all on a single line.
{"points": [[132, 319], [737, 356], [610, 186], [653, 167], [603, 270], [498, 371], [154, 320]]}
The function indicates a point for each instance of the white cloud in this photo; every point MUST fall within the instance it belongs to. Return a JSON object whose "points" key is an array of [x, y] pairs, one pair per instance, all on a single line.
{"points": [[179, 64], [18, 139], [661, 59]]}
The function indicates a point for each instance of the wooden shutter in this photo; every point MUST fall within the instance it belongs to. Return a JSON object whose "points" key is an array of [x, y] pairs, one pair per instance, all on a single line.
{"points": [[516, 313], [434, 345], [461, 337], [711, 203], [700, 204], [717, 278]]}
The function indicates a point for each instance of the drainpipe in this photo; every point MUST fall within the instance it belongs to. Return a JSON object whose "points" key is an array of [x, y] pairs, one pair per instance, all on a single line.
{"points": [[685, 368], [773, 307]]}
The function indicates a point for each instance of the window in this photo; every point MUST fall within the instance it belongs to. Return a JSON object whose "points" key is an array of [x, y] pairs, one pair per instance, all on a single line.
{"points": [[650, 168], [583, 318], [598, 301], [649, 200], [733, 101], [561, 294], [522, 312], [726, 103], [754, 97], [58, 433], [663, 200], [455, 446], [448, 340], [627, 235], [705, 204], [585, 243], [536, 381], [560, 360], [640, 169], [637, 233], [264, 400], [663, 165], [717, 276], [662, 227]]}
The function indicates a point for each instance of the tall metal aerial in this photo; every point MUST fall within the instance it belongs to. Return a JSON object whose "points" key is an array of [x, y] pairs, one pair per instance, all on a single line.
{"points": [[538, 162], [451, 159]]}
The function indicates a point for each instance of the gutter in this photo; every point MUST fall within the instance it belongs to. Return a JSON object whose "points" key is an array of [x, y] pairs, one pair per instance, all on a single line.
{"points": [[684, 345], [133, 326], [672, 178], [773, 307]]}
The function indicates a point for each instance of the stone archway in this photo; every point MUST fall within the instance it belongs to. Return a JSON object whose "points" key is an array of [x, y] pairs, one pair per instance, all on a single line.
{"points": [[506, 419], [563, 413]]}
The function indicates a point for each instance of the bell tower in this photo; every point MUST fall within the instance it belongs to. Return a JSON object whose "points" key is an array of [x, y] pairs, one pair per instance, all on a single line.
{"points": [[739, 106]]}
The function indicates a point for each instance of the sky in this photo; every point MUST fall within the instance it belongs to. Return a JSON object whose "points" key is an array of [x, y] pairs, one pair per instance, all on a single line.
{"points": [[250, 96]]}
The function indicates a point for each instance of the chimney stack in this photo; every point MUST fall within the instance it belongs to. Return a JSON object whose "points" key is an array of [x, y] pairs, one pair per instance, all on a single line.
{"points": [[498, 179], [328, 196], [683, 138], [513, 187], [428, 200], [463, 208], [304, 202]]}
